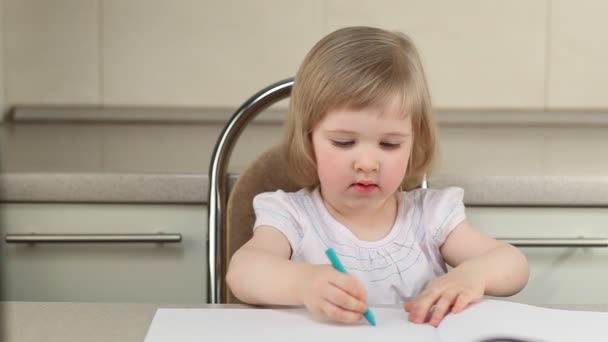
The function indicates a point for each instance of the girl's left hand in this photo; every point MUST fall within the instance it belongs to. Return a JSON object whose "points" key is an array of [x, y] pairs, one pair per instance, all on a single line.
{"points": [[453, 291]]}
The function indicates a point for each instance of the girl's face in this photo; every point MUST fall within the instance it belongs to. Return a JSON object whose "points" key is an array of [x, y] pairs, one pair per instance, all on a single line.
{"points": [[362, 155]]}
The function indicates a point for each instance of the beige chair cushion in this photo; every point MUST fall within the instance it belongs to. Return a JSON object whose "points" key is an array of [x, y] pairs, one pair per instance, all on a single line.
{"points": [[266, 173]]}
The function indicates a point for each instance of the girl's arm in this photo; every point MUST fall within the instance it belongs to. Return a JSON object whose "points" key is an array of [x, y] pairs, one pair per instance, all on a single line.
{"points": [[482, 266], [503, 267], [260, 272]]}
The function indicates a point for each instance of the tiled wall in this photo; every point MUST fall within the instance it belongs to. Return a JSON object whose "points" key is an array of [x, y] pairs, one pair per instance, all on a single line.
{"points": [[520, 54]]}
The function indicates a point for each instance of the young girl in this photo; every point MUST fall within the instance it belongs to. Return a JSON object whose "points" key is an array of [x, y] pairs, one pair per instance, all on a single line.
{"points": [[360, 129]]}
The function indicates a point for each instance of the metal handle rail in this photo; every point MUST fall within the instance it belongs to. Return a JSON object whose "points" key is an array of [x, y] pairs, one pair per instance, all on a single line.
{"points": [[557, 242], [93, 238], [218, 178]]}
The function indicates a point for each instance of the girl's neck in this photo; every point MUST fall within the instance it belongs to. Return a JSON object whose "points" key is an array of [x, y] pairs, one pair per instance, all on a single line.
{"points": [[369, 224]]}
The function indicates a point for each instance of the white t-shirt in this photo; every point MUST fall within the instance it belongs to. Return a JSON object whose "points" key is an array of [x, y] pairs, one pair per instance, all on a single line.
{"points": [[394, 269]]}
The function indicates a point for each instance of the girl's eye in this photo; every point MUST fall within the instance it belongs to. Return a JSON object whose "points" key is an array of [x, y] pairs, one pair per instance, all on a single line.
{"points": [[390, 146], [343, 143]]}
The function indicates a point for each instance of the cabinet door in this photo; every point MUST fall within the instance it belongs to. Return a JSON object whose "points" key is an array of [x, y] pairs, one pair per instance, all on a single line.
{"points": [[455, 51], [559, 275], [577, 70], [165, 272]]}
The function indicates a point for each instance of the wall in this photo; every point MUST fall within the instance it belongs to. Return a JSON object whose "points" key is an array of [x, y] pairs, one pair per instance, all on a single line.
{"points": [[521, 54]]}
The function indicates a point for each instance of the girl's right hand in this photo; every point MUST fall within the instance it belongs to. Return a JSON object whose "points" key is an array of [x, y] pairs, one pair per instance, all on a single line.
{"points": [[330, 294]]}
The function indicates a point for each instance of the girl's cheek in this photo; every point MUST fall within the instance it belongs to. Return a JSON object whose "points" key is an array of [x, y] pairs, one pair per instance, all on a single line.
{"points": [[327, 158]]}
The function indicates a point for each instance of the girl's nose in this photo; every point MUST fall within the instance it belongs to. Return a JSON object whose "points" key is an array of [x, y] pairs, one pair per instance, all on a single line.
{"points": [[366, 164]]}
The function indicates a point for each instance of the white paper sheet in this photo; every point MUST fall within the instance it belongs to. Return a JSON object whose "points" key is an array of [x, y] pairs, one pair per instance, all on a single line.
{"points": [[492, 318], [287, 325], [489, 318]]}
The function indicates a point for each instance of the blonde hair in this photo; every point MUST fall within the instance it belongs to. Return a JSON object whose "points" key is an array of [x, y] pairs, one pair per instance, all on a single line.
{"points": [[356, 68]]}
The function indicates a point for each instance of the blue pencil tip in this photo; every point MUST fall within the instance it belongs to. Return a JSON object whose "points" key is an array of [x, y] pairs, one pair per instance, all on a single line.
{"points": [[370, 317]]}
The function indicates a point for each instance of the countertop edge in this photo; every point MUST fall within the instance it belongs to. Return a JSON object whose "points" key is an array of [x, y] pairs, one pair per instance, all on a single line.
{"points": [[579, 191], [104, 188], [526, 190]]}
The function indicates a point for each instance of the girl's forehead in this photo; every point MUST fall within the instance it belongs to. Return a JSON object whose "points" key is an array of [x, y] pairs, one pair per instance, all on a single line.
{"points": [[393, 105], [389, 111], [366, 119]]}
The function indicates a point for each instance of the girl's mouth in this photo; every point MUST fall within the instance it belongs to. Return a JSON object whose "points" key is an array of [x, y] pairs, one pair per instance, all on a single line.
{"points": [[364, 188]]}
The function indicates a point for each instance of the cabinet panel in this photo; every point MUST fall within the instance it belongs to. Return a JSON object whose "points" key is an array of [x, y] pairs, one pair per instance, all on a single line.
{"points": [[474, 54], [105, 272], [202, 53], [51, 52], [559, 275], [2, 99], [578, 73]]}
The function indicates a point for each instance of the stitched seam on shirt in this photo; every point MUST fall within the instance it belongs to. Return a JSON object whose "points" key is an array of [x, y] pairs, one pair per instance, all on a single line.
{"points": [[438, 228], [415, 239], [401, 245], [420, 230], [384, 267], [309, 207], [274, 212], [305, 201], [399, 271], [284, 221]]}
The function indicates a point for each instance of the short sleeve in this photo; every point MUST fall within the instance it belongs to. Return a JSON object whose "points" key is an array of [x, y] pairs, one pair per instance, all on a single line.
{"points": [[279, 210], [443, 211]]}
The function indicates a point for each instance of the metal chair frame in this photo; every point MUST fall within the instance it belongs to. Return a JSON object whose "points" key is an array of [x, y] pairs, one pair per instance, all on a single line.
{"points": [[218, 181]]}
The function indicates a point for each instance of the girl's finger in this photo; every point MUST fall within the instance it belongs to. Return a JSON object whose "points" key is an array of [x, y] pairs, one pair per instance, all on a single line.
{"points": [[442, 307], [342, 299], [348, 284], [421, 306], [336, 313], [462, 301]]}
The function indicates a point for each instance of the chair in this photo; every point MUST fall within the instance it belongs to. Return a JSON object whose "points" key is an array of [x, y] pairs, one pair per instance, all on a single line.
{"points": [[229, 227]]}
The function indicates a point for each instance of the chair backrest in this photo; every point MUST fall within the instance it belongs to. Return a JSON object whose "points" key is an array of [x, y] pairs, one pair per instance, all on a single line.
{"points": [[267, 172], [222, 241]]}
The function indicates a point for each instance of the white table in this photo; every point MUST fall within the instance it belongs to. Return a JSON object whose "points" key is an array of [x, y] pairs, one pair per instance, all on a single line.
{"points": [[91, 322]]}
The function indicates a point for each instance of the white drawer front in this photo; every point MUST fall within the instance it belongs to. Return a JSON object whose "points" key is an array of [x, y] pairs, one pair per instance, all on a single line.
{"points": [[105, 272], [559, 275]]}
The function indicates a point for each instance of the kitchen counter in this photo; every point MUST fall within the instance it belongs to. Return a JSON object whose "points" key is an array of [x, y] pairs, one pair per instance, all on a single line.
{"points": [[168, 162]]}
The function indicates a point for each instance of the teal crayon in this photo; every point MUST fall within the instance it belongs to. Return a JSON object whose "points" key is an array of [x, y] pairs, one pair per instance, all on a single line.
{"points": [[335, 262]]}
